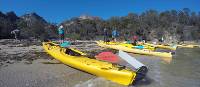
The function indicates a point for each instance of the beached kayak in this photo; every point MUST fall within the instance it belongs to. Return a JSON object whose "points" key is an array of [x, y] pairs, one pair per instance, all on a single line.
{"points": [[107, 70], [137, 51], [162, 46], [174, 47], [188, 46]]}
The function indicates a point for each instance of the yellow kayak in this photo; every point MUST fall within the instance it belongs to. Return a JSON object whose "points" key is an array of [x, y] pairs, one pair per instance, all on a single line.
{"points": [[162, 46], [188, 46], [107, 70], [138, 51], [175, 47]]}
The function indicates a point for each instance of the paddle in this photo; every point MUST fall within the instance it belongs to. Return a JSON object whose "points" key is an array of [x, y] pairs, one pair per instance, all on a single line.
{"points": [[141, 69]]}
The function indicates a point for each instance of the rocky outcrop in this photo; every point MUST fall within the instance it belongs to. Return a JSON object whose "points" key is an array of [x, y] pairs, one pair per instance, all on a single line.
{"points": [[7, 24]]}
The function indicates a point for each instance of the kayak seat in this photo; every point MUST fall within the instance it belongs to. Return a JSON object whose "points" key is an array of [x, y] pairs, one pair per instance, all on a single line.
{"points": [[71, 52], [120, 67]]}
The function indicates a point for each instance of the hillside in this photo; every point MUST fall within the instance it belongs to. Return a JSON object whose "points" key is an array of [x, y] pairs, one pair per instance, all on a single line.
{"points": [[31, 25], [172, 25]]}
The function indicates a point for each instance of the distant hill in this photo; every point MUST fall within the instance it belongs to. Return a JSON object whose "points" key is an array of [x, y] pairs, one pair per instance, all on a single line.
{"points": [[33, 17], [7, 24], [173, 25], [31, 25]]}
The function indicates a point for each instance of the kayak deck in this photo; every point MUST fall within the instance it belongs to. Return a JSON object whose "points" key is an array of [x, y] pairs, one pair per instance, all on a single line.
{"points": [[162, 46]]}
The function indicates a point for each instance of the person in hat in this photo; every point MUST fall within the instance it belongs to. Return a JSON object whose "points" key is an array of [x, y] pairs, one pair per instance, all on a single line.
{"points": [[16, 33], [105, 31], [61, 33]]}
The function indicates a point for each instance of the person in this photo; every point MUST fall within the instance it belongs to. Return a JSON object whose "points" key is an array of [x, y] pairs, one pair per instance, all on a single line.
{"points": [[173, 45], [61, 34], [162, 39], [126, 35], [105, 35], [144, 39], [135, 40], [155, 41], [114, 35], [16, 33]]}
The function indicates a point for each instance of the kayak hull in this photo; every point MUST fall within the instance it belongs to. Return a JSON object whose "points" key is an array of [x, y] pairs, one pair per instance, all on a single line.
{"points": [[93, 66]]}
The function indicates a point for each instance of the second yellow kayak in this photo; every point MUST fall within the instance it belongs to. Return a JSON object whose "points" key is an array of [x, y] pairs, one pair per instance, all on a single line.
{"points": [[138, 51]]}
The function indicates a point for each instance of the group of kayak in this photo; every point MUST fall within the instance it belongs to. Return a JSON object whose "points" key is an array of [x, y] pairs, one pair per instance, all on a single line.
{"points": [[146, 48], [112, 71], [139, 49]]}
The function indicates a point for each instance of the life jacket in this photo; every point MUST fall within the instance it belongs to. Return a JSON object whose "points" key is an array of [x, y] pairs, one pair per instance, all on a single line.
{"points": [[60, 31], [135, 37]]}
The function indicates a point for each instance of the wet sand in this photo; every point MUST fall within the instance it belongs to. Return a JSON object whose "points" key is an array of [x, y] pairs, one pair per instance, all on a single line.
{"points": [[28, 66]]}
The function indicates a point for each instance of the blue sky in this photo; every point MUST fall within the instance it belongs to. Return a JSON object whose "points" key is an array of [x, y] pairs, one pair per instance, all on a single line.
{"points": [[59, 10]]}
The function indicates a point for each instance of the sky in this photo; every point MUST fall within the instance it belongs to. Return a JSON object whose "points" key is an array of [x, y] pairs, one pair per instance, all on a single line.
{"points": [[57, 11]]}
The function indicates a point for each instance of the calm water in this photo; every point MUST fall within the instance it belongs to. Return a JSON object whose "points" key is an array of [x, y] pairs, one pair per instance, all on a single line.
{"points": [[182, 71]]}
